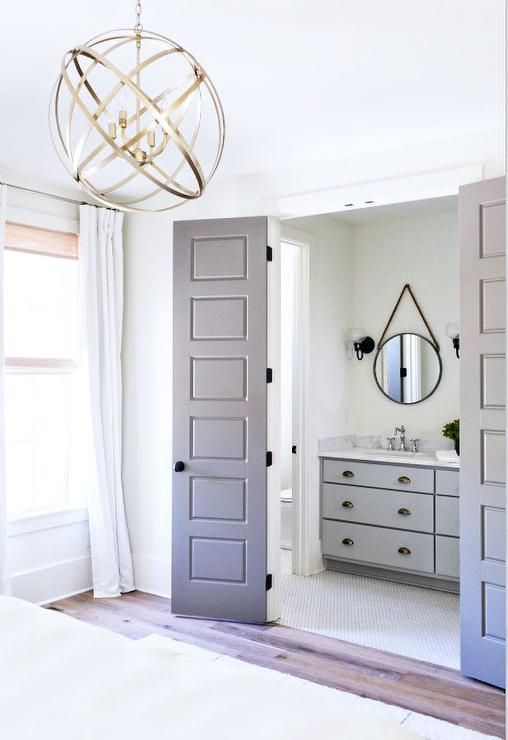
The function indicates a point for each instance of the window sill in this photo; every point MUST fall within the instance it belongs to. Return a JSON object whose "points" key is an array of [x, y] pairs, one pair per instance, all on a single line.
{"points": [[41, 520]]}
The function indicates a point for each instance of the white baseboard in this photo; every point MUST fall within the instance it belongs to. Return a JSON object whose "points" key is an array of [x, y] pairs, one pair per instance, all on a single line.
{"points": [[71, 577], [53, 582], [152, 575], [65, 596], [315, 563]]}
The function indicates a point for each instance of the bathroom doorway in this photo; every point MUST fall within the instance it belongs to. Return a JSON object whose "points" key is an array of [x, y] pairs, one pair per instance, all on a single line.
{"points": [[294, 343], [356, 264]]}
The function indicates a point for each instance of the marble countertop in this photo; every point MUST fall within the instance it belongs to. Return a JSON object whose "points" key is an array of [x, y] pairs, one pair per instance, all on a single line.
{"points": [[424, 459]]}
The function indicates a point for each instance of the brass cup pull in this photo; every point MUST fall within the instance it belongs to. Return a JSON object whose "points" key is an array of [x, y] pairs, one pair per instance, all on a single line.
{"points": [[404, 479], [347, 504], [348, 474], [404, 512], [347, 541], [404, 551]]}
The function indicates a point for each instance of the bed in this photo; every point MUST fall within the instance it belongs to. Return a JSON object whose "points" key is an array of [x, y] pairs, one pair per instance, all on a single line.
{"points": [[61, 679]]}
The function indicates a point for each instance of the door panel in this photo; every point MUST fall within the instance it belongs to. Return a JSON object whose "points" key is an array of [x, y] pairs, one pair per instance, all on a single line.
{"points": [[219, 319], [218, 379], [220, 419], [483, 430]]}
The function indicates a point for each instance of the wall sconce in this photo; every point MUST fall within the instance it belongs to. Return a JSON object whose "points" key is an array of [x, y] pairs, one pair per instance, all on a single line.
{"points": [[452, 331], [358, 341]]}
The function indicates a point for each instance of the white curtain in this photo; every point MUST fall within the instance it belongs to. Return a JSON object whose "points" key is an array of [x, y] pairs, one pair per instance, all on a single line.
{"points": [[101, 309], [3, 496]]}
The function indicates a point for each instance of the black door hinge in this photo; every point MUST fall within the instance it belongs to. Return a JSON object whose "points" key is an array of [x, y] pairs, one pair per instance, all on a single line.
{"points": [[269, 254], [268, 459], [269, 581], [293, 449], [269, 375], [403, 372]]}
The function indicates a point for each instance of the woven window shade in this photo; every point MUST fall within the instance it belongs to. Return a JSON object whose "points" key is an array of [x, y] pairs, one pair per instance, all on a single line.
{"points": [[35, 240]]}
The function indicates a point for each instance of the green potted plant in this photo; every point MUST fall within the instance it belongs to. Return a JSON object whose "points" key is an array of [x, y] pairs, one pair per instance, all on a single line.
{"points": [[452, 431]]}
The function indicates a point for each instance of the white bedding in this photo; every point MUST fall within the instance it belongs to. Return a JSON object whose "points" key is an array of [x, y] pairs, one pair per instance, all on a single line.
{"points": [[61, 679]]}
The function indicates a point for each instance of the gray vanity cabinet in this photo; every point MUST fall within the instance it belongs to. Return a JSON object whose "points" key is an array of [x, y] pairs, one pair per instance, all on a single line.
{"points": [[399, 522]]}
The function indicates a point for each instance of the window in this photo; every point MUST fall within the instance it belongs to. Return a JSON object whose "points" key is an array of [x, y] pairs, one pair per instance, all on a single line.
{"points": [[41, 320]]}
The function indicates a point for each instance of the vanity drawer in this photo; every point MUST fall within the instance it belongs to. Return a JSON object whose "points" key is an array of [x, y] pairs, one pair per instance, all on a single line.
{"points": [[447, 556], [376, 546], [397, 477], [447, 482], [383, 508], [447, 515]]}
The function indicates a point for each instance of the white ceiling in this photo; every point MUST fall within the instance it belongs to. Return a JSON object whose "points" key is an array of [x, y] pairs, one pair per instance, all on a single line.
{"points": [[300, 81]]}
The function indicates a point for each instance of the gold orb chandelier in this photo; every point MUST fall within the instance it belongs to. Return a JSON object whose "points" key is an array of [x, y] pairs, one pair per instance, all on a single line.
{"points": [[136, 120]]}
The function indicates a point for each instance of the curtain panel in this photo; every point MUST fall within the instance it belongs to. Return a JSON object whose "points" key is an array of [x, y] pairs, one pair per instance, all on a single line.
{"points": [[101, 311]]}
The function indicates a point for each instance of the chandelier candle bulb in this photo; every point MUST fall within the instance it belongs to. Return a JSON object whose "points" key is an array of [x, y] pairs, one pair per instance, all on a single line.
{"points": [[129, 140]]}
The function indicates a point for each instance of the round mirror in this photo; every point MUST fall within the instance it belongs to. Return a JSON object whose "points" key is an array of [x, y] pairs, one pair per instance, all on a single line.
{"points": [[407, 368]]}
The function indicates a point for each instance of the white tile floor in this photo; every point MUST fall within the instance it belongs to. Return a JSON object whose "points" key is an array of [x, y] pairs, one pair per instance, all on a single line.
{"points": [[417, 622]]}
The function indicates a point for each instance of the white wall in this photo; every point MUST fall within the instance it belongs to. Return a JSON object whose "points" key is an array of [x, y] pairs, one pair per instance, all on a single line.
{"points": [[147, 371], [421, 250], [331, 311]]}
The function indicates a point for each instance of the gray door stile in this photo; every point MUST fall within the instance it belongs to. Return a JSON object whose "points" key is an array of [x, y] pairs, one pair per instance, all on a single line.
{"points": [[219, 500], [482, 214]]}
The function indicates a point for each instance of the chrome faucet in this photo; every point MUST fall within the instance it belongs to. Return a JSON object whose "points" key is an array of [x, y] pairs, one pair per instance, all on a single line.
{"points": [[402, 431], [414, 445]]}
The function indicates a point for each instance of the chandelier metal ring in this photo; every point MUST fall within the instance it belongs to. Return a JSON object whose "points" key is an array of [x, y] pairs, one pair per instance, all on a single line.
{"points": [[144, 159]]}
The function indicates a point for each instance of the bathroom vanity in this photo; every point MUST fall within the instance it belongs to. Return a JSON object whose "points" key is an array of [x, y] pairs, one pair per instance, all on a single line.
{"points": [[391, 515]]}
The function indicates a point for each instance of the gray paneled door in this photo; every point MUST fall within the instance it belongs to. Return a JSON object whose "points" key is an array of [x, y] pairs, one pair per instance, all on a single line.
{"points": [[220, 419], [483, 433]]}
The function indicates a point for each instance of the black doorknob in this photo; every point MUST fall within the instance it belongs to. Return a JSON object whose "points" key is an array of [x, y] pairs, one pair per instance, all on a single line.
{"points": [[179, 466]]}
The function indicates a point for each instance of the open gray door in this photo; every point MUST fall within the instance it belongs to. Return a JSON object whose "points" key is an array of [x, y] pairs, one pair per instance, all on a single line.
{"points": [[483, 429], [220, 419]]}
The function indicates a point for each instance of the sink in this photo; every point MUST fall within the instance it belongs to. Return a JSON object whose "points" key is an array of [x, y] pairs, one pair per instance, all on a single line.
{"points": [[396, 453]]}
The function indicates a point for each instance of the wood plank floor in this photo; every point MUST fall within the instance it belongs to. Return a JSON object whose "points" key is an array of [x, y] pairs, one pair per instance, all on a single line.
{"points": [[420, 687]]}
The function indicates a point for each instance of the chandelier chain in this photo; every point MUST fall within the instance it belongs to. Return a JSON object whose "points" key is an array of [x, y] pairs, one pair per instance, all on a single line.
{"points": [[139, 26]]}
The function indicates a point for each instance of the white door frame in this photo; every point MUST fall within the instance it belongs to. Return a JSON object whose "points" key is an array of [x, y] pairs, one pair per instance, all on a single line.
{"points": [[301, 559], [273, 558]]}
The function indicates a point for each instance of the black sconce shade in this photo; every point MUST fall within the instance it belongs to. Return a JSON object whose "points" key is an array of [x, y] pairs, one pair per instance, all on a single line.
{"points": [[364, 347]]}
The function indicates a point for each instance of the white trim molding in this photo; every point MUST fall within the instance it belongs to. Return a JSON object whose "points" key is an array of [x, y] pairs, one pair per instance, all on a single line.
{"points": [[306, 559], [42, 184], [382, 192], [54, 581], [46, 520], [273, 560]]}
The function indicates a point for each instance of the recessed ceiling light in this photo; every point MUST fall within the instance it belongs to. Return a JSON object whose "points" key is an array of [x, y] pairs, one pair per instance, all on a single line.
{"points": [[348, 205], [368, 202]]}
